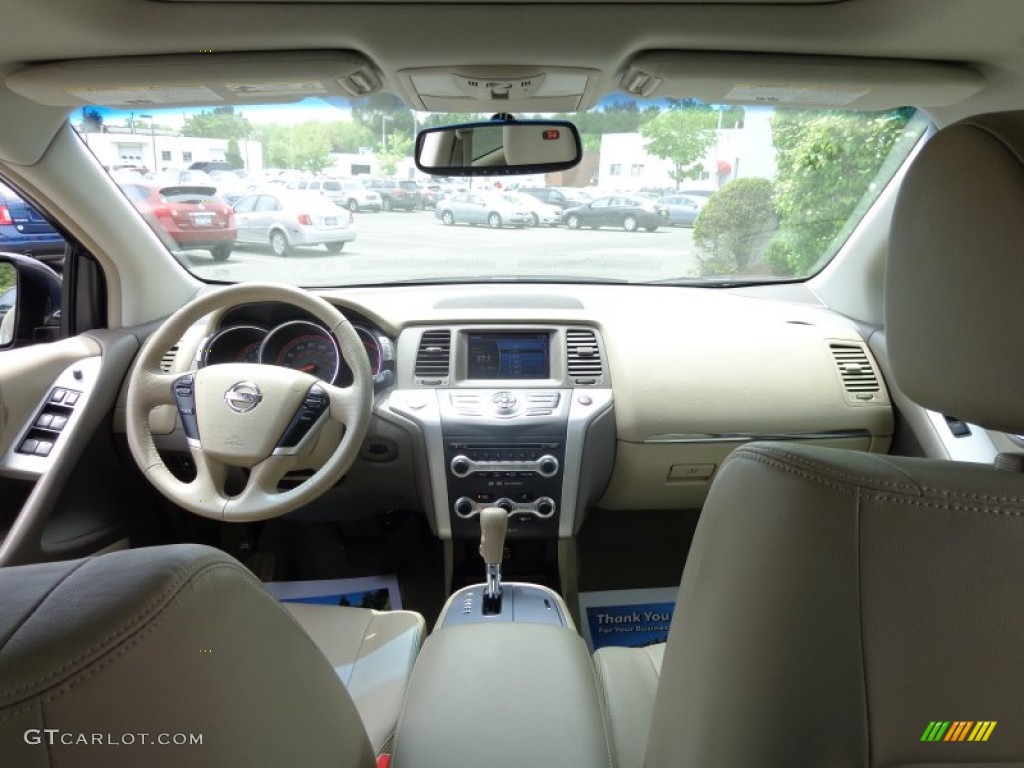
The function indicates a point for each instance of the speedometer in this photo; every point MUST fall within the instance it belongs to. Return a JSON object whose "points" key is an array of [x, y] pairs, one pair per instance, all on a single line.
{"points": [[303, 346]]}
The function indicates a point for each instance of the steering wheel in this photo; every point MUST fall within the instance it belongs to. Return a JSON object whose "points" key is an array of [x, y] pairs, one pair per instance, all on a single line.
{"points": [[263, 418]]}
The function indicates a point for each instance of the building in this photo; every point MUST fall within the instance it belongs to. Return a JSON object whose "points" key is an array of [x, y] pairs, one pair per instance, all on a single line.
{"points": [[737, 152], [162, 150]]}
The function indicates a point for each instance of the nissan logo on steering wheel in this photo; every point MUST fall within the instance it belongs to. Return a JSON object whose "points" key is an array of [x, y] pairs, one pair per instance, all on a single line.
{"points": [[243, 396]]}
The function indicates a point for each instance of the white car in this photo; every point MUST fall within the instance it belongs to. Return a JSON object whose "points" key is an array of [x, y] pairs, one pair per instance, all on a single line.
{"points": [[541, 213], [348, 193], [285, 220]]}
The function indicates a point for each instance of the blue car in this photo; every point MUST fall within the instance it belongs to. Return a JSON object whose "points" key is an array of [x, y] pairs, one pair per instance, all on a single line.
{"points": [[24, 230]]}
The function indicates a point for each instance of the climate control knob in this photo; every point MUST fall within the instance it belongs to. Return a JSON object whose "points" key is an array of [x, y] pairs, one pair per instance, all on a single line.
{"points": [[545, 506], [507, 504], [464, 507], [461, 466], [547, 465]]}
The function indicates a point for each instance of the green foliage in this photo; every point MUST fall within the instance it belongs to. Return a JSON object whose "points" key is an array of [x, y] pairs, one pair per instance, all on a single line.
{"points": [[733, 228], [92, 121], [398, 147], [827, 168], [8, 276], [305, 146], [348, 136], [233, 156], [384, 114], [682, 136], [218, 123]]}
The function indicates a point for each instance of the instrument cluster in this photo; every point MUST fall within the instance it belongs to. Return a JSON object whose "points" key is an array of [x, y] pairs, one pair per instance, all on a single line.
{"points": [[300, 343]]}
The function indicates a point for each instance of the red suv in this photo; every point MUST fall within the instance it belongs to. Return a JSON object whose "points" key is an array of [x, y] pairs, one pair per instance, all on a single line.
{"points": [[192, 215]]}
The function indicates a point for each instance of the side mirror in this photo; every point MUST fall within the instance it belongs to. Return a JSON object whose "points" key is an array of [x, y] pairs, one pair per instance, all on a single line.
{"points": [[29, 301], [499, 148]]}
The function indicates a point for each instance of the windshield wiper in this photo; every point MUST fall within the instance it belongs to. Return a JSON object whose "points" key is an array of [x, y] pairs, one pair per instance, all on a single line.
{"points": [[535, 279]]}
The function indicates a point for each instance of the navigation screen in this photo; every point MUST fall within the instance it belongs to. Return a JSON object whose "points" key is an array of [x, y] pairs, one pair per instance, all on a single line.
{"points": [[508, 356]]}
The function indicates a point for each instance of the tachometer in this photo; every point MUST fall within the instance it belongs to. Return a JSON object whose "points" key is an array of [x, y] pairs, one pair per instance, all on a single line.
{"points": [[238, 344], [302, 346]]}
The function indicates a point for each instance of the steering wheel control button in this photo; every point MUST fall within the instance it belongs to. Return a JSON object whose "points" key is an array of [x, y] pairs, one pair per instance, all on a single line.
{"points": [[243, 396], [314, 405], [185, 397]]}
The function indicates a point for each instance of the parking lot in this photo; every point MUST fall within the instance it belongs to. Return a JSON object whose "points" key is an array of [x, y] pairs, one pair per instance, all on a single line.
{"points": [[415, 245]]}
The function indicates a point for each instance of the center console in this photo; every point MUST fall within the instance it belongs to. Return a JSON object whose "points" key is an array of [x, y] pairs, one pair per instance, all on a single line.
{"points": [[507, 690], [512, 416]]}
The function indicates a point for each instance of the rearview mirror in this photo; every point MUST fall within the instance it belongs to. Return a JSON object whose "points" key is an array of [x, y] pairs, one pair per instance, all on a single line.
{"points": [[498, 148]]}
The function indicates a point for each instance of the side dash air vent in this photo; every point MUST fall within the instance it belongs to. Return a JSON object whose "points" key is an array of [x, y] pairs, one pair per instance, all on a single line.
{"points": [[167, 361], [583, 356], [434, 354], [859, 378]]}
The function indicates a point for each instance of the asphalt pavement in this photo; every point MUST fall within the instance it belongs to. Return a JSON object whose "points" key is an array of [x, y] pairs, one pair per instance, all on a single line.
{"points": [[397, 245]]}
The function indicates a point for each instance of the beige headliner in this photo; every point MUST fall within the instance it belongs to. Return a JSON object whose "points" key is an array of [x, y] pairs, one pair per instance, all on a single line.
{"points": [[981, 34]]}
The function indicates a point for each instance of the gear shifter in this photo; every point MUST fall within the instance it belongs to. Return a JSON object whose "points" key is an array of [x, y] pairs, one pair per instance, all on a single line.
{"points": [[493, 524]]}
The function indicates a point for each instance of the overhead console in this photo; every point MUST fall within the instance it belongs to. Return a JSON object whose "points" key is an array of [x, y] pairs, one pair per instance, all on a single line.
{"points": [[514, 416]]}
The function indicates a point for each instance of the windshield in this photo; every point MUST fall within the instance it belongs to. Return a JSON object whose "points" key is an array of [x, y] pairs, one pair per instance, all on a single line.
{"points": [[319, 194]]}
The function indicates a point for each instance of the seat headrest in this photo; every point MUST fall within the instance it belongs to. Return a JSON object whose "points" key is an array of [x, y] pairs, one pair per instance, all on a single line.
{"points": [[955, 274], [179, 643]]}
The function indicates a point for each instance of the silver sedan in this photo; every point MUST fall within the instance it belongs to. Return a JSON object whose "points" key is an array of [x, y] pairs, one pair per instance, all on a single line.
{"points": [[285, 219], [492, 209]]}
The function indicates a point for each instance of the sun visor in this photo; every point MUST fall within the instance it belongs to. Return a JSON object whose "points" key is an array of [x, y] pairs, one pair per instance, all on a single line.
{"points": [[196, 79], [800, 81]]}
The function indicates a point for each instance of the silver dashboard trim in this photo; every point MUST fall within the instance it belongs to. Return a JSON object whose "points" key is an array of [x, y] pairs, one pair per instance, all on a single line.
{"points": [[422, 407], [585, 406], [747, 437]]}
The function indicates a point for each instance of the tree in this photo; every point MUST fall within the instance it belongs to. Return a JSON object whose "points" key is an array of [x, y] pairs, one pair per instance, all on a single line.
{"points": [[398, 148], [827, 165], [733, 228], [218, 123], [384, 114], [682, 136], [311, 147], [233, 156], [92, 121]]}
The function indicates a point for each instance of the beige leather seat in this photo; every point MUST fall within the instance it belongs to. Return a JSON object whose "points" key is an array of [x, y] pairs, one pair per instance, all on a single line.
{"points": [[184, 640], [372, 653], [835, 605]]}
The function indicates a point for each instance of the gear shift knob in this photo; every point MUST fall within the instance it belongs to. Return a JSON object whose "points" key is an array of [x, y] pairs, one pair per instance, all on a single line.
{"points": [[493, 525]]}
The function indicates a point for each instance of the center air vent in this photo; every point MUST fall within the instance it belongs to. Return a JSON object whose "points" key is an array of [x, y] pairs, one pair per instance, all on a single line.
{"points": [[858, 374], [167, 361], [432, 359], [583, 356]]}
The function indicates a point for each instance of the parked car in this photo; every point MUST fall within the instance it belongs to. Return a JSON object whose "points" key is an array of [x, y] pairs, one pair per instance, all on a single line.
{"points": [[682, 209], [631, 212], [192, 215], [540, 213], [285, 219], [395, 194], [491, 208], [24, 230], [348, 193], [428, 195], [565, 197]]}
